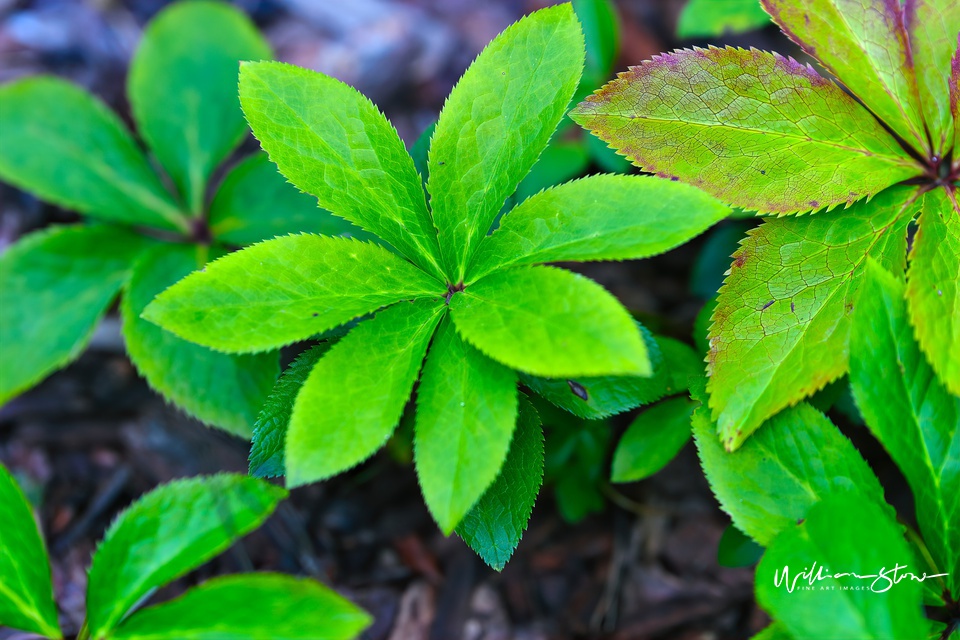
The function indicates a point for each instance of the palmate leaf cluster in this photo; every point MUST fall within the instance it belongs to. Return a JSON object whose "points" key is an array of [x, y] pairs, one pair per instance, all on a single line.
{"points": [[843, 177], [161, 537], [148, 219], [452, 293]]}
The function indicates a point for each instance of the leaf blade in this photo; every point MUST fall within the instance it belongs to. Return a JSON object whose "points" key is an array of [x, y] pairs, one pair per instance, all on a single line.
{"points": [[332, 142], [183, 89], [909, 412], [933, 285], [284, 290], [55, 285], [652, 440], [258, 606], [246, 208], [223, 390], [866, 46], [594, 219], [26, 589], [752, 128], [70, 149], [168, 532], [466, 415], [496, 122], [782, 322], [549, 322], [710, 18], [494, 526], [344, 413]]}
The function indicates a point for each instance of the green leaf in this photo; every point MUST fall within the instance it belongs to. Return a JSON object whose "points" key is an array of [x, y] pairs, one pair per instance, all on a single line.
{"points": [[933, 285], [559, 162], [709, 18], [796, 459], [601, 33], [496, 122], [755, 129], [933, 27], [256, 203], [168, 532], [263, 606], [223, 390], [183, 89], [550, 322], [270, 431], [652, 440], [909, 411], [844, 534], [775, 631], [55, 285], [284, 290], [865, 45], [495, 524], [353, 398], [26, 592], [737, 550], [70, 149], [596, 219], [782, 322], [466, 414], [599, 397], [331, 141]]}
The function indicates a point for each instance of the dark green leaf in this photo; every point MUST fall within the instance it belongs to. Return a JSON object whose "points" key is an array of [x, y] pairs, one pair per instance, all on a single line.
{"points": [[737, 550], [652, 440]]}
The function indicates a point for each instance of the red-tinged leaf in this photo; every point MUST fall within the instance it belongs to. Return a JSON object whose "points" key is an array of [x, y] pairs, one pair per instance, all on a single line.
{"points": [[933, 27], [865, 44], [755, 129]]}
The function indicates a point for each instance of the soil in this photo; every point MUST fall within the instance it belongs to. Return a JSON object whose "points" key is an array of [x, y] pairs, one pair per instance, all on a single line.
{"points": [[93, 437]]}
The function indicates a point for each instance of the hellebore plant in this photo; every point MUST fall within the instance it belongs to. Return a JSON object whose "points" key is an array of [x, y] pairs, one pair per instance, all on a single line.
{"points": [[474, 306], [844, 175], [64, 145], [164, 535]]}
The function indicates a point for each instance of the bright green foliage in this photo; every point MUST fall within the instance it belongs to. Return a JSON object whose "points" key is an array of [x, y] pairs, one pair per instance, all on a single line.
{"points": [[910, 412], [766, 133], [54, 287], [550, 322], [842, 534], [933, 27], [691, 114], [717, 17], [866, 46], [466, 414], [64, 145], [184, 97], [652, 440], [270, 430], [773, 632], [343, 151], [239, 304], [67, 147], [345, 412], [26, 593], [167, 533], [495, 524], [225, 389], [494, 125], [512, 316], [256, 203], [933, 285], [250, 607], [736, 549], [599, 397], [782, 322], [596, 219], [798, 458]]}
